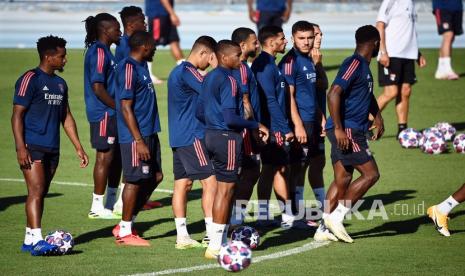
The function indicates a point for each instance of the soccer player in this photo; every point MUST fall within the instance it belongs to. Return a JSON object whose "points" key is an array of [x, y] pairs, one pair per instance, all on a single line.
{"points": [[186, 134], [300, 72], [270, 12], [218, 107], [138, 124], [102, 30], [350, 100], [397, 56], [438, 213], [275, 154], [448, 15], [163, 21], [40, 105], [250, 110]]}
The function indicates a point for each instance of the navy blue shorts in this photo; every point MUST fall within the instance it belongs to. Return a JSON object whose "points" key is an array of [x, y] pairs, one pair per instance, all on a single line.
{"points": [[104, 134], [192, 161], [136, 170], [449, 21], [225, 151], [266, 18], [162, 30], [250, 151], [276, 151], [358, 152], [315, 144], [47, 156]]}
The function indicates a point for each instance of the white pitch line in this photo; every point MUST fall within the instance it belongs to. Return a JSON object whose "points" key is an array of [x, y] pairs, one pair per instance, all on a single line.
{"points": [[80, 184], [306, 247]]}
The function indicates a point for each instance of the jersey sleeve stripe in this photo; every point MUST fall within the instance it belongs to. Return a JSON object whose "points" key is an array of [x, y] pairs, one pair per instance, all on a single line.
{"points": [[243, 74], [100, 60], [129, 70], [351, 69], [195, 73], [233, 86], [25, 83], [288, 66]]}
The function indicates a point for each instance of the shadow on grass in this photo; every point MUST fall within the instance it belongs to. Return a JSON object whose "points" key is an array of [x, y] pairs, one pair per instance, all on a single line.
{"points": [[192, 195], [6, 202], [192, 228], [459, 126], [401, 227], [386, 199]]}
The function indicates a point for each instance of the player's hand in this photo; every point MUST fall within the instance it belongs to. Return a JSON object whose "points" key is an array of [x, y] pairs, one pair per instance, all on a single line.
{"points": [[384, 59], [289, 136], [83, 157], [316, 55], [323, 125], [24, 158], [421, 61], [286, 15], [253, 16], [300, 134], [263, 133], [175, 20], [342, 139], [142, 150], [378, 127]]}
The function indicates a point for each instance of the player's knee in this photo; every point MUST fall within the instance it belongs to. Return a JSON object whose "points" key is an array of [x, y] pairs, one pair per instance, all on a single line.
{"points": [[406, 91], [372, 177]]}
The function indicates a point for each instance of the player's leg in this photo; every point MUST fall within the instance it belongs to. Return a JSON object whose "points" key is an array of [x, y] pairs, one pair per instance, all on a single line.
{"points": [[369, 175], [402, 106], [449, 24], [173, 40], [281, 190], [250, 174], [297, 170], [114, 179], [209, 187], [156, 28], [264, 187]]}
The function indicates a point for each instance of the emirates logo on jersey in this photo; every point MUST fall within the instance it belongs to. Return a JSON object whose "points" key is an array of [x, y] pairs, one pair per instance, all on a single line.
{"points": [[53, 99]]}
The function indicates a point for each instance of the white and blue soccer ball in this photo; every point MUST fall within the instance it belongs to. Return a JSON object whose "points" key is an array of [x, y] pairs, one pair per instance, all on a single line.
{"points": [[431, 132], [410, 138], [247, 235], [235, 256], [446, 129], [433, 144], [459, 143], [61, 238]]}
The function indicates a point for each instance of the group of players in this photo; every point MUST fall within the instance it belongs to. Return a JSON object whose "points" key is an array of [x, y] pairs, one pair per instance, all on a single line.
{"points": [[229, 128]]}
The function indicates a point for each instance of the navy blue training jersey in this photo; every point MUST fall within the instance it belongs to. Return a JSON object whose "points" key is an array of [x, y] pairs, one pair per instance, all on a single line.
{"points": [[271, 5], [248, 85], [133, 83], [154, 8], [356, 81], [299, 71], [449, 5], [184, 88], [220, 92], [45, 98], [99, 67], [122, 50], [272, 91]]}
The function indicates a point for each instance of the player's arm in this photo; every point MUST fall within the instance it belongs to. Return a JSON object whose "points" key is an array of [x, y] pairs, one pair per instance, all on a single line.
{"points": [[69, 125], [248, 109], [143, 152], [17, 124], [173, 16], [102, 94], [299, 129], [421, 60], [381, 21], [334, 105], [378, 123], [321, 77], [98, 63], [252, 12], [287, 12]]}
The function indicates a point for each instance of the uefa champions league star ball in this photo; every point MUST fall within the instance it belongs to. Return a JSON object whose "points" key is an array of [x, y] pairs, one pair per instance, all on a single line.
{"points": [[409, 138], [247, 235], [431, 132], [433, 144], [459, 143], [446, 129], [63, 239], [235, 256]]}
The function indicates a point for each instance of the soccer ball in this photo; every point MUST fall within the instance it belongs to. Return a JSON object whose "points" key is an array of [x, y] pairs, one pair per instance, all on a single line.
{"points": [[459, 143], [433, 144], [447, 130], [63, 239], [247, 235], [431, 132], [235, 256], [409, 138]]}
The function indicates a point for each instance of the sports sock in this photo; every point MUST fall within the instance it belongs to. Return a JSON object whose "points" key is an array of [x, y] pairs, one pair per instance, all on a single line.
{"points": [[320, 195], [36, 235], [28, 236], [97, 203], [445, 65], [287, 218], [125, 228], [181, 227], [339, 213], [400, 127], [447, 205], [111, 197], [216, 236], [208, 225]]}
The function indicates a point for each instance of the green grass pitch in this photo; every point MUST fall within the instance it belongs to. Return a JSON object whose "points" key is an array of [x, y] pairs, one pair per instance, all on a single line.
{"points": [[410, 182]]}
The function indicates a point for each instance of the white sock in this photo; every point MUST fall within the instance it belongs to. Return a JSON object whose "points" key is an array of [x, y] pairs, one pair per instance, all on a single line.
{"points": [[97, 203], [339, 213], [179, 61], [36, 235], [208, 225], [125, 228], [28, 236], [263, 210], [447, 205], [216, 236], [111, 197], [299, 195], [444, 64], [320, 195], [287, 218], [237, 215], [181, 227]]}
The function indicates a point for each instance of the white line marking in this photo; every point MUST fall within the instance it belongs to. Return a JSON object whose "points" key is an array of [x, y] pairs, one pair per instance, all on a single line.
{"points": [[306, 247], [80, 184]]}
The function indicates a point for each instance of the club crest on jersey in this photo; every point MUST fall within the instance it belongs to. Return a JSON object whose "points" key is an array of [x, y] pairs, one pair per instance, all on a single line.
{"points": [[111, 140], [392, 77], [445, 25], [145, 169]]}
